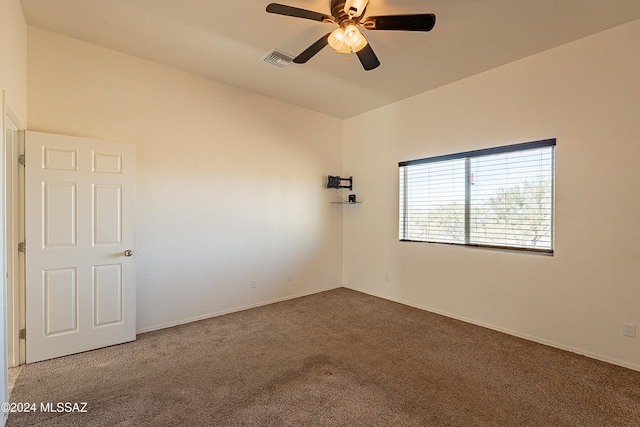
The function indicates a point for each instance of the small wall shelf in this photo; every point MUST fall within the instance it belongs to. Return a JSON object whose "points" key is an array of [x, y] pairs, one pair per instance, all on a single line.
{"points": [[346, 203]]}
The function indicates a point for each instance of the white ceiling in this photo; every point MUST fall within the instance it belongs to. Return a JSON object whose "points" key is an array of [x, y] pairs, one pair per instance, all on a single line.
{"points": [[225, 40]]}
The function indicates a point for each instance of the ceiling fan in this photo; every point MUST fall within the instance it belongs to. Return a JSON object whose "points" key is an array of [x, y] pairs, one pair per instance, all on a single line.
{"points": [[349, 15]]}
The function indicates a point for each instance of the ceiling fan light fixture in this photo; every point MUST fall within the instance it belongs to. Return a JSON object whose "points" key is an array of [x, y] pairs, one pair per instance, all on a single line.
{"points": [[349, 15], [336, 39]]}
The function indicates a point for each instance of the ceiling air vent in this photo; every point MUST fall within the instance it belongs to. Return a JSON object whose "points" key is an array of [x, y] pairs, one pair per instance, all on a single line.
{"points": [[278, 58]]}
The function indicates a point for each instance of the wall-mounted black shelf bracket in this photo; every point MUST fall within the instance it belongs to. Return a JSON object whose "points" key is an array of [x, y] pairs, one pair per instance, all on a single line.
{"points": [[336, 182]]}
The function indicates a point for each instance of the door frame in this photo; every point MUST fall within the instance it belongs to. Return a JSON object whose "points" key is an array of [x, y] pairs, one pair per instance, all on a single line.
{"points": [[14, 233]]}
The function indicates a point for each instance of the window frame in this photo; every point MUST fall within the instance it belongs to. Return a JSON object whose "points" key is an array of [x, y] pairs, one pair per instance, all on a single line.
{"points": [[467, 155]]}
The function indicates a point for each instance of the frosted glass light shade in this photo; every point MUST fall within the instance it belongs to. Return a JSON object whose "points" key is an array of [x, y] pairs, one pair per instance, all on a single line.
{"points": [[352, 36], [336, 39], [363, 42]]}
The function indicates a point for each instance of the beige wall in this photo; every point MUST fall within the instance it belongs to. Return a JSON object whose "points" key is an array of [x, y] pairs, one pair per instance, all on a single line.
{"points": [[13, 93], [13, 57], [587, 95], [229, 183]]}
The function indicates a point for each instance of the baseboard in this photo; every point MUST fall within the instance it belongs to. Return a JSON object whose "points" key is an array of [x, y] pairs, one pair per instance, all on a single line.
{"points": [[528, 337], [232, 310]]}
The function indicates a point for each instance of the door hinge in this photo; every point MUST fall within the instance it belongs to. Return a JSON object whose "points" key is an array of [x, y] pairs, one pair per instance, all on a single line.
{"points": [[22, 247], [23, 334], [22, 159]]}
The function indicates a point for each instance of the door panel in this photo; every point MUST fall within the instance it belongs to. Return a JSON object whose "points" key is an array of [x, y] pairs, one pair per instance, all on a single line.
{"points": [[107, 208], [59, 214], [60, 301], [107, 289], [80, 220]]}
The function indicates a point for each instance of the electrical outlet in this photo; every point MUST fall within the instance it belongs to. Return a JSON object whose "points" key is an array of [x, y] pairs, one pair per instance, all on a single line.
{"points": [[386, 277], [629, 330], [289, 277], [253, 284]]}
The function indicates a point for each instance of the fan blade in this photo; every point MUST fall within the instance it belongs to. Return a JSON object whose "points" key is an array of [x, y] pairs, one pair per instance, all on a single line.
{"points": [[420, 22], [296, 12], [368, 58], [312, 50]]}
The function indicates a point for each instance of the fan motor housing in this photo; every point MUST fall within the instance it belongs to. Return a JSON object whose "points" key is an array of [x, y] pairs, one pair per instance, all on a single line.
{"points": [[337, 10]]}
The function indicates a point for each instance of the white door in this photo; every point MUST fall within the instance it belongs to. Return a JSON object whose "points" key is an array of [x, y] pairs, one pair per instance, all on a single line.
{"points": [[80, 238]]}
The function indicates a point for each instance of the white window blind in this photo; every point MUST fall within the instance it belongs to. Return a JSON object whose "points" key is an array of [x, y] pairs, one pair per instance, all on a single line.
{"points": [[500, 197]]}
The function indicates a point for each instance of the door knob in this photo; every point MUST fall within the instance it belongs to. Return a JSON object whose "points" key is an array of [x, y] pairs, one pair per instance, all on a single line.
{"points": [[128, 252]]}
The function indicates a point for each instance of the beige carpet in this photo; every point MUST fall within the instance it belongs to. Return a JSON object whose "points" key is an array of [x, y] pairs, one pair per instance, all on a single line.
{"points": [[13, 376], [339, 358]]}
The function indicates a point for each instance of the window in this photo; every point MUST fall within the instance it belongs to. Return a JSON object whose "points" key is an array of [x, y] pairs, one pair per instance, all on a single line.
{"points": [[497, 198]]}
